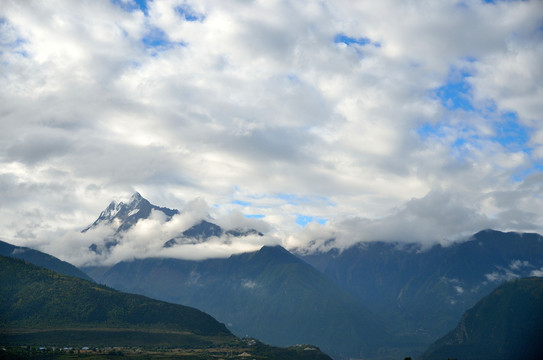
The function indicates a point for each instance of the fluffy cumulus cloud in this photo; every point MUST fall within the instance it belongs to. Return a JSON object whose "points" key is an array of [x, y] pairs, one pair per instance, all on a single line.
{"points": [[352, 121]]}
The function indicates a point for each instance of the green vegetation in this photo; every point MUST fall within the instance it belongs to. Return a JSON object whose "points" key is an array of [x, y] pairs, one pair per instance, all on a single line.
{"points": [[39, 301], [422, 293], [507, 324], [237, 349], [270, 294], [45, 315], [41, 259]]}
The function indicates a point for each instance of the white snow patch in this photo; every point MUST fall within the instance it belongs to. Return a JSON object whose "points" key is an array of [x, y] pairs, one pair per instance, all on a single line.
{"points": [[135, 211], [249, 284]]}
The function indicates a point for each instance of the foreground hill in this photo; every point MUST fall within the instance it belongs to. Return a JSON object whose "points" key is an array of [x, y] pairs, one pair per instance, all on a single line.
{"points": [[424, 292], [41, 307], [269, 294], [41, 304], [507, 324], [41, 259]]}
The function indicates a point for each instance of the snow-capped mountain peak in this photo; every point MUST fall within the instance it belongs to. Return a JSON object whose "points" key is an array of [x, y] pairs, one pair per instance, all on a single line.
{"points": [[125, 215], [111, 210], [135, 199]]}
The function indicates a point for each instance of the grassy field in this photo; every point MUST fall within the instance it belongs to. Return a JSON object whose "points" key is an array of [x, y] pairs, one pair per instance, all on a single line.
{"points": [[100, 337], [237, 349]]}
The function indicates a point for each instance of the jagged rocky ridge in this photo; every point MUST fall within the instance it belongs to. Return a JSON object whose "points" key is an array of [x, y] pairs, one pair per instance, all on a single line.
{"points": [[123, 216], [418, 294], [424, 292]]}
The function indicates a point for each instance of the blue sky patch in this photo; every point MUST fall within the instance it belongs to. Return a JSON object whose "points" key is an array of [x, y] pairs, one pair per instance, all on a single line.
{"points": [[511, 133], [520, 176], [132, 5], [187, 13], [254, 216], [293, 199], [456, 93], [157, 40], [242, 203], [306, 219], [428, 130], [508, 131], [347, 40]]}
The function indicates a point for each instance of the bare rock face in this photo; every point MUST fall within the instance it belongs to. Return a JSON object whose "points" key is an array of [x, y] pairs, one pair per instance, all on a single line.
{"points": [[124, 216]]}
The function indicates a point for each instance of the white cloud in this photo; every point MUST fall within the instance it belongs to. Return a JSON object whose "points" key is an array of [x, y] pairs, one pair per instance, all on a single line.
{"points": [[459, 290], [255, 101], [538, 272], [101, 245], [500, 277], [518, 264]]}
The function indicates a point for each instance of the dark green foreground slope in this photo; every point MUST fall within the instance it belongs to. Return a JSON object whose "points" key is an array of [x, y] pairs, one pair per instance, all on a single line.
{"points": [[38, 304], [41, 259], [42, 308], [507, 324]]}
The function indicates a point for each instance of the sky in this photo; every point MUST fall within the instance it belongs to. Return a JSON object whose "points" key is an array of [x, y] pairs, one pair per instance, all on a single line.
{"points": [[347, 120]]}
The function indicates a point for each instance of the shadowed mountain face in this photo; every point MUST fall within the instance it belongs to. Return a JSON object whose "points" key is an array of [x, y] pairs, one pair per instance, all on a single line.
{"points": [[269, 294], [41, 259], [425, 292], [507, 324]]}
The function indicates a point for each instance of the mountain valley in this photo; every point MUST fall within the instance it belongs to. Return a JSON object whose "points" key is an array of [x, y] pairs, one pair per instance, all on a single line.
{"points": [[40, 307], [372, 300]]}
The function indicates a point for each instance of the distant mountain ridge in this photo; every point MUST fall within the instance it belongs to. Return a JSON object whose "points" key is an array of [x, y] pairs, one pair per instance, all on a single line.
{"points": [[505, 325], [41, 259], [44, 308], [426, 292], [269, 294], [204, 230], [418, 294]]}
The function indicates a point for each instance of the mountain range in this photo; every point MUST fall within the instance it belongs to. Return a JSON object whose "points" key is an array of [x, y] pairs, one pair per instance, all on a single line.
{"points": [[424, 292], [122, 217], [269, 294], [42, 307], [373, 300]]}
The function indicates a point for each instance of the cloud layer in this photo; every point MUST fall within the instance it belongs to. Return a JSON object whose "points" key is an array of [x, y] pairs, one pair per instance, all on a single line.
{"points": [[391, 120], [102, 245]]}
